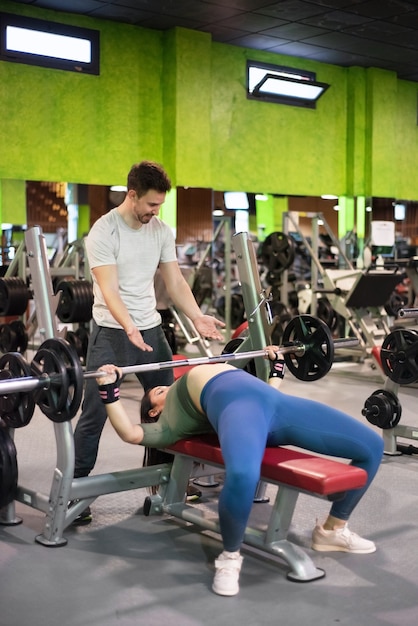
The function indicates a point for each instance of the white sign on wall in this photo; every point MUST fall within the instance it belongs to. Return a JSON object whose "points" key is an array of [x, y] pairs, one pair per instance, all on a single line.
{"points": [[382, 233]]}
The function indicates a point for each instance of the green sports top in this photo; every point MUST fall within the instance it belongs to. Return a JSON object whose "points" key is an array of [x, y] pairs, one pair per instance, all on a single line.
{"points": [[178, 420]]}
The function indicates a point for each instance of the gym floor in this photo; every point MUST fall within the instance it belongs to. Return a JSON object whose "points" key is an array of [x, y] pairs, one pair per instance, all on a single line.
{"points": [[127, 569]]}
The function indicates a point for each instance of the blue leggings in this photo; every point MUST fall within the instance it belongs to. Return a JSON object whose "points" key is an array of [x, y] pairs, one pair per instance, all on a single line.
{"points": [[248, 415]]}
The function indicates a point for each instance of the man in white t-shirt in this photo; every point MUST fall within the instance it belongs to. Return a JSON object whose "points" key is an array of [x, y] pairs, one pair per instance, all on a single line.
{"points": [[125, 247]]}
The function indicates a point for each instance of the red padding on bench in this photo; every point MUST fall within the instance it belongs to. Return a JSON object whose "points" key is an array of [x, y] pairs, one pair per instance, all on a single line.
{"points": [[291, 467], [376, 355]]}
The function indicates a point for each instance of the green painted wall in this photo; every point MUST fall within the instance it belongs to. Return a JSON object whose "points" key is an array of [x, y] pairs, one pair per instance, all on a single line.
{"points": [[382, 139], [356, 130], [406, 157], [292, 149], [12, 201], [190, 102], [60, 125], [83, 225], [180, 99]]}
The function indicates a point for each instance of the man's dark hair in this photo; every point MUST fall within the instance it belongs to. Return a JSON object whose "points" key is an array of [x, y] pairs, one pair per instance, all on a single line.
{"points": [[148, 175]]}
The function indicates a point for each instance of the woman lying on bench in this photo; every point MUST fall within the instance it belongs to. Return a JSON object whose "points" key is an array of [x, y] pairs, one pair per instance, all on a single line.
{"points": [[248, 414]]}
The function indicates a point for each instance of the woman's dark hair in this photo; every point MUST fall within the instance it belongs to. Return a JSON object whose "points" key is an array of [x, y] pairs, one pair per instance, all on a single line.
{"points": [[152, 456], [145, 408]]}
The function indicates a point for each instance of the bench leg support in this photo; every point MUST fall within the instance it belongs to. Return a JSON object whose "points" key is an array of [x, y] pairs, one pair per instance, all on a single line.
{"points": [[273, 540]]}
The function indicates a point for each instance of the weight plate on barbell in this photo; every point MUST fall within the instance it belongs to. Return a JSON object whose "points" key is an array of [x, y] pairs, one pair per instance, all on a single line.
{"points": [[16, 409], [399, 356], [318, 356], [64, 367], [52, 398]]}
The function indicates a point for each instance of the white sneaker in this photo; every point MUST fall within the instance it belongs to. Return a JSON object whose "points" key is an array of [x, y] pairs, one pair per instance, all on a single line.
{"points": [[228, 567], [340, 540]]}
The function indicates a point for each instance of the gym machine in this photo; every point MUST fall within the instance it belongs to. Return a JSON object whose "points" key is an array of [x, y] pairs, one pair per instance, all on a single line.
{"points": [[398, 357], [357, 295], [70, 274]]}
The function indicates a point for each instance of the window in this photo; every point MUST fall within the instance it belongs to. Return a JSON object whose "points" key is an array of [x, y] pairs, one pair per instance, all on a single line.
{"points": [[48, 44], [283, 85]]}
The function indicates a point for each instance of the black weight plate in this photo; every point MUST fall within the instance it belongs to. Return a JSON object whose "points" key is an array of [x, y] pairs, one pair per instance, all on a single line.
{"points": [[75, 341], [51, 399], [396, 302], [66, 305], [19, 328], [399, 356], [84, 291], [278, 252], [318, 356], [76, 301], [232, 346], [14, 296], [16, 409], [83, 334], [13, 337], [8, 469], [324, 312], [382, 409], [73, 380], [8, 339], [237, 309]]}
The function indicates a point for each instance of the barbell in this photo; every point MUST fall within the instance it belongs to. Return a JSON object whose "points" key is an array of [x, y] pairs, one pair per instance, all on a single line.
{"points": [[55, 378], [410, 312]]}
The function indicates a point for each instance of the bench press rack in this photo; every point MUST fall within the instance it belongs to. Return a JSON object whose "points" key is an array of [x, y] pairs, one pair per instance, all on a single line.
{"points": [[65, 487]]}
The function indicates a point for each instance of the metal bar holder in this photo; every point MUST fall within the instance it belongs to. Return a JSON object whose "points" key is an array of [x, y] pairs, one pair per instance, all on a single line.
{"points": [[65, 487]]}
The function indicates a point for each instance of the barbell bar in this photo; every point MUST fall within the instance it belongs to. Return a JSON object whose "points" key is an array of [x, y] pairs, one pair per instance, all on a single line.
{"points": [[57, 380], [296, 349], [43, 381], [408, 312]]}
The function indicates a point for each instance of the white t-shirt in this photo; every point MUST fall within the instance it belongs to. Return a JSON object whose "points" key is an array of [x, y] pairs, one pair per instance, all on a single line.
{"points": [[137, 254]]}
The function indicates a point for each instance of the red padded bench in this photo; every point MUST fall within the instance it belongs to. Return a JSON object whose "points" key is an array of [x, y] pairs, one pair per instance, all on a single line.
{"points": [[293, 471], [300, 470]]}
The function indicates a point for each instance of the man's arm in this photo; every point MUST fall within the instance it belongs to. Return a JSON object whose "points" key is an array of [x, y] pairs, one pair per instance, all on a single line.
{"points": [[182, 296]]}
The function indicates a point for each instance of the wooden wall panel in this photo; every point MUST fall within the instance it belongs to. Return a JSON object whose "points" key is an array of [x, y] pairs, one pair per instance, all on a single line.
{"points": [[194, 215]]}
